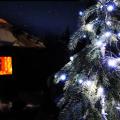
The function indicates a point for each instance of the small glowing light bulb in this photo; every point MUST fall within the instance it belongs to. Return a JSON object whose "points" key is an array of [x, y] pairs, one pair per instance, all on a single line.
{"points": [[97, 36], [108, 34], [118, 108], [100, 91], [63, 77], [89, 27], [118, 35], [112, 62], [110, 8], [55, 76], [101, 6], [80, 81], [108, 23], [80, 13], [71, 58], [96, 19], [84, 36]]}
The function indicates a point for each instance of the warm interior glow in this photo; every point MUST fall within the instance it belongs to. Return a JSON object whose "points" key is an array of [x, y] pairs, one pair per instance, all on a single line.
{"points": [[5, 65]]}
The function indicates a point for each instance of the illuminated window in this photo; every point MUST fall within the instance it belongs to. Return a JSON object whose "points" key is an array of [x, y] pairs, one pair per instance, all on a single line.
{"points": [[5, 65]]}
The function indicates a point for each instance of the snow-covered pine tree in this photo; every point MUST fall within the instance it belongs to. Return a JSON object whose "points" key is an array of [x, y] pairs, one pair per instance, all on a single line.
{"points": [[92, 77]]}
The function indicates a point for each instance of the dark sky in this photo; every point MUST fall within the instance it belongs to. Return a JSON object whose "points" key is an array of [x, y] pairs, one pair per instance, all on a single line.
{"points": [[41, 16]]}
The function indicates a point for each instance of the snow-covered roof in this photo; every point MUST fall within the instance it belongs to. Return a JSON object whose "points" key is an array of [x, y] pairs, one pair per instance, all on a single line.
{"points": [[2, 21], [21, 40], [6, 36]]}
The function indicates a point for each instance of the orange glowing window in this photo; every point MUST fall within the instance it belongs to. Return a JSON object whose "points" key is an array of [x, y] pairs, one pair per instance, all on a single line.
{"points": [[5, 65]]}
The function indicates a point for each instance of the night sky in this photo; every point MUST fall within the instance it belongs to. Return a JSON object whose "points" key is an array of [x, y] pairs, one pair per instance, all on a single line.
{"points": [[43, 16]]}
